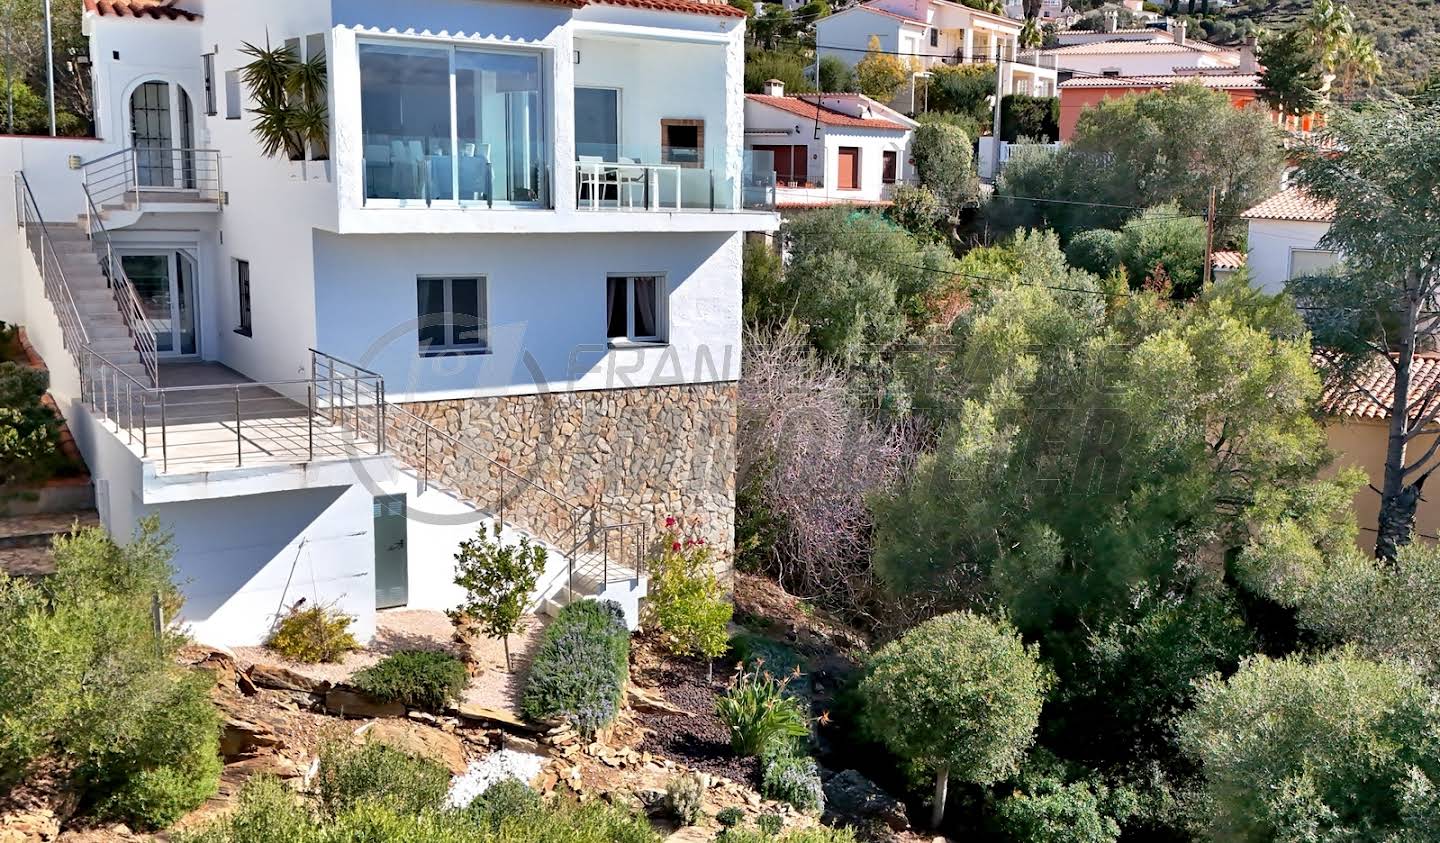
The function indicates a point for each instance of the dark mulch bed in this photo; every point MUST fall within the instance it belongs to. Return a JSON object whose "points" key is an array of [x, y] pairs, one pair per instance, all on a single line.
{"points": [[702, 741]]}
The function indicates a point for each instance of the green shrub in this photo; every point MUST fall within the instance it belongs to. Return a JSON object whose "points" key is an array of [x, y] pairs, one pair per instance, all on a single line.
{"points": [[794, 779], [159, 756], [770, 824], [310, 634], [426, 679], [503, 801], [760, 714], [268, 812], [85, 680], [945, 163], [580, 667], [1096, 250], [350, 774], [686, 601], [756, 652], [683, 797], [29, 430], [730, 817], [498, 579]]}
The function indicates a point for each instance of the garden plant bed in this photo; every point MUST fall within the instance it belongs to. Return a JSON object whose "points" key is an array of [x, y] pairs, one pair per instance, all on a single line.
{"points": [[697, 738]]}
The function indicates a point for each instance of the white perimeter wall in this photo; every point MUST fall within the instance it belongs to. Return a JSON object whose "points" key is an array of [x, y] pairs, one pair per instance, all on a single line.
{"points": [[1136, 64], [1270, 243], [546, 304]]}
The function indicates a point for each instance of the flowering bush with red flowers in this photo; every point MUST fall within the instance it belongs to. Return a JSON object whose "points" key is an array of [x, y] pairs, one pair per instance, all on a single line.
{"points": [[686, 603]]}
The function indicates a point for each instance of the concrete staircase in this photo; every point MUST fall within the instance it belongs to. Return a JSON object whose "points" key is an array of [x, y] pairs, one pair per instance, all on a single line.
{"points": [[95, 300]]}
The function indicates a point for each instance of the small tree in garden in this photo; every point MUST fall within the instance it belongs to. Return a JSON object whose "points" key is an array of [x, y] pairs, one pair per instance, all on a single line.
{"points": [[959, 694], [498, 578], [880, 74], [686, 602], [945, 164]]}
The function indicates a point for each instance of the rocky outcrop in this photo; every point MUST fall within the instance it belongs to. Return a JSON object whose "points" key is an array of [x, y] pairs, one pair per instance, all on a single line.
{"points": [[352, 704], [851, 796], [278, 678], [418, 740]]}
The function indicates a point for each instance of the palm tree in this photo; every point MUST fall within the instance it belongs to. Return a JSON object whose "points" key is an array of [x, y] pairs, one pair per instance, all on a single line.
{"points": [[289, 93], [1030, 36], [1329, 26], [1359, 61]]}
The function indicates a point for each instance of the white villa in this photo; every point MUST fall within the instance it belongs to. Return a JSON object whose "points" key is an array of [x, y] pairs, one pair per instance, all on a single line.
{"points": [[503, 287], [828, 149], [931, 32], [1284, 239]]}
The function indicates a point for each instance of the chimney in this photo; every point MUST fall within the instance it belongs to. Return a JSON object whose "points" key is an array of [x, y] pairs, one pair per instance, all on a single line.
{"points": [[774, 88], [1248, 64], [1112, 20], [1177, 31]]}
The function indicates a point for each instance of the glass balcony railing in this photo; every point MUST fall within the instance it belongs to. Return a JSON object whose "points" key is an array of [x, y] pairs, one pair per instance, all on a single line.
{"points": [[426, 170], [665, 178]]}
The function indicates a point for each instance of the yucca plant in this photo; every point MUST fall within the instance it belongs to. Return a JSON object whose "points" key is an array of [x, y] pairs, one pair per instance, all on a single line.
{"points": [[760, 714], [290, 110]]}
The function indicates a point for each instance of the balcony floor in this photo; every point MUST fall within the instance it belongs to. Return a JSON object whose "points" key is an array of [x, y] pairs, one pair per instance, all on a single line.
{"points": [[200, 431]]}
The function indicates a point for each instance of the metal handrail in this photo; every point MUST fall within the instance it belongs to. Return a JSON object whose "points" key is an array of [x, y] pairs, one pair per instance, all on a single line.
{"points": [[142, 413], [114, 175], [133, 314], [52, 275]]}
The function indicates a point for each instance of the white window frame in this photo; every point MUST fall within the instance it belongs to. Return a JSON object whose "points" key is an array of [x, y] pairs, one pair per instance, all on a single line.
{"points": [[482, 305], [662, 309], [1290, 262], [544, 52]]}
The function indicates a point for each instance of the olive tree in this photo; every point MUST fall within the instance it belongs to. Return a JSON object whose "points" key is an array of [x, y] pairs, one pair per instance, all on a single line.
{"points": [[497, 579], [959, 695]]}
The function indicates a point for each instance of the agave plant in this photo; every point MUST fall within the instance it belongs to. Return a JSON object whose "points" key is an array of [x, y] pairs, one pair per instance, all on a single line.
{"points": [[290, 110]]}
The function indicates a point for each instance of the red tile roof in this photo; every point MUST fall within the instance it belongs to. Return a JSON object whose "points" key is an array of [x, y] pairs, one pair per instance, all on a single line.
{"points": [[1293, 206], [694, 7], [1105, 48], [1357, 398], [1227, 260], [875, 10], [154, 9], [1220, 81], [830, 117]]}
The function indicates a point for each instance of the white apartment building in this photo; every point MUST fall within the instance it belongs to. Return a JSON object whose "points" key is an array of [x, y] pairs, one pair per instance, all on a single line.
{"points": [[932, 32], [828, 149], [502, 286], [1147, 52]]}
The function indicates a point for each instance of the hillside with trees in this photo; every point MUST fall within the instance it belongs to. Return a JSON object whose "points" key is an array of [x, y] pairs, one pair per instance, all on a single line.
{"points": [[1407, 35]]}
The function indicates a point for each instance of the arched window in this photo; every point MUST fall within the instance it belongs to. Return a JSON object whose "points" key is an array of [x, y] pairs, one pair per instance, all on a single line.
{"points": [[162, 132]]}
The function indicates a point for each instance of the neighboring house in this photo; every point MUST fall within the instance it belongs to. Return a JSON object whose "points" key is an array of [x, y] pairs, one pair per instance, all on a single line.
{"points": [[1225, 264], [1284, 239], [505, 289], [1357, 429], [1050, 11], [1084, 92], [932, 32], [827, 149], [1149, 52]]}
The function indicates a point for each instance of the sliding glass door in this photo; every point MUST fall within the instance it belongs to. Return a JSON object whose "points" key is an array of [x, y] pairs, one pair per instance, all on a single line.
{"points": [[450, 124], [164, 283]]}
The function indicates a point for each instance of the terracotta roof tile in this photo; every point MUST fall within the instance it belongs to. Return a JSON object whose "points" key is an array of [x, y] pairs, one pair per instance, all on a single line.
{"points": [[1105, 48], [1219, 81], [1350, 399], [830, 117], [1291, 205], [696, 7], [1227, 260], [154, 9], [875, 10]]}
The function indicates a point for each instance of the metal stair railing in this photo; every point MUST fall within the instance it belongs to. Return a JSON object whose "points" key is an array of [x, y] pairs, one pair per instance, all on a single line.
{"points": [[52, 275], [126, 299], [601, 552]]}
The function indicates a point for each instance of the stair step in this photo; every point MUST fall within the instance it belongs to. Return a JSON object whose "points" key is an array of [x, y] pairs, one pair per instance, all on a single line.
{"points": [[110, 346]]}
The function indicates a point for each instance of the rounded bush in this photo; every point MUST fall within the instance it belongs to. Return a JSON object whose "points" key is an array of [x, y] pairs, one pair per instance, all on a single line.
{"points": [[580, 667], [794, 779], [313, 634], [426, 679]]}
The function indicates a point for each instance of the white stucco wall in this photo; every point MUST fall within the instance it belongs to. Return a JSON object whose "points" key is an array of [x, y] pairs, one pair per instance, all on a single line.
{"points": [[823, 164], [129, 51], [546, 305], [1139, 64], [1270, 244], [851, 31]]}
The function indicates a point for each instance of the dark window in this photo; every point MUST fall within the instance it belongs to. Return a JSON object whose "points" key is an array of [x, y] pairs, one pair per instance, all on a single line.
{"points": [[209, 60], [934, 37], [682, 142], [633, 307], [891, 161], [451, 314], [242, 292], [1110, 73]]}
